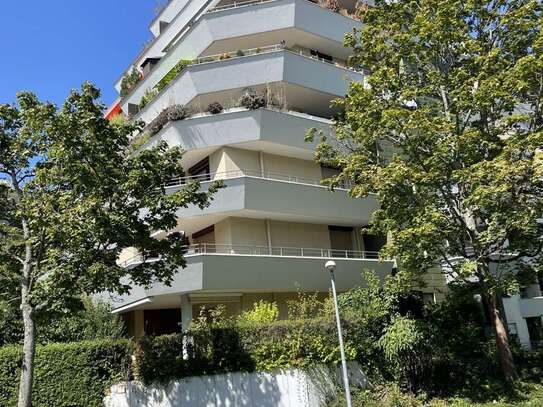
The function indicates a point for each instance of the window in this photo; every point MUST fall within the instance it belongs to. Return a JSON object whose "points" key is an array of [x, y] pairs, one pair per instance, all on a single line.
{"points": [[341, 240], [373, 243], [201, 170]]}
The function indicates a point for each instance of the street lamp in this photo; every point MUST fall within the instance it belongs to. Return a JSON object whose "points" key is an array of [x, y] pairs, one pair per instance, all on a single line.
{"points": [[331, 267]]}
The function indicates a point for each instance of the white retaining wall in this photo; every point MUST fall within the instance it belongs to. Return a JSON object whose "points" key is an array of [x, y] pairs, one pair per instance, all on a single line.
{"points": [[310, 387]]}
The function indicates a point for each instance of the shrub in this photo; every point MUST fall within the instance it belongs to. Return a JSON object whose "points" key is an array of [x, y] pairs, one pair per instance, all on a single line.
{"points": [[305, 306], [403, 344], [215, 108], [88, 321], [176, 112], [240, 53], [66, 375], [231, 348], [149, 95], [172, 113], [129, 81], [252, 101], [93, 321], [262, 313], [332, 5], [158, 122], [176, 70]]}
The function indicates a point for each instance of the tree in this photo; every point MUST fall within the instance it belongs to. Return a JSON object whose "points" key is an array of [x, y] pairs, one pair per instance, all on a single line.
{"points": [[447, 131], [75, 197]]}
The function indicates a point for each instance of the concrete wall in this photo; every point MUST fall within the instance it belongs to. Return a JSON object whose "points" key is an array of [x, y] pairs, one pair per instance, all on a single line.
{"points": [[289, 234], [292, 166], [279, 388], [241, 231], [233, 159], [247, 231]]}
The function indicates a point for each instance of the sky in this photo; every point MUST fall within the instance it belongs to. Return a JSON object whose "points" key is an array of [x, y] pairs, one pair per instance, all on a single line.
{"points": [[52, 46]]}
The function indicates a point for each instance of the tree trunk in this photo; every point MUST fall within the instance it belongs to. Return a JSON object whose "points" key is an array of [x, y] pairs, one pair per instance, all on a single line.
{"points": [[502, 339], [29, 350], [27, 309]]}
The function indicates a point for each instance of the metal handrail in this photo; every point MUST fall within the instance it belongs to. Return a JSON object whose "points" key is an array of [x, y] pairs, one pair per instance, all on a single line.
{"points": [[236, 4], [271, 175], [236, 54], [250, 52], [264, 251]]}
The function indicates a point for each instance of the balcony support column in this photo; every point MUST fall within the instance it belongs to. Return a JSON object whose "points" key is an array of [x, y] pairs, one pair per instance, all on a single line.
{"points": [[186, 312], [186, 319], [268, 235], [261, 162]]}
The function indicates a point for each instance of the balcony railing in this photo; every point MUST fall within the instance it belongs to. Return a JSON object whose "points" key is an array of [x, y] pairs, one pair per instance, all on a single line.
{"points": [[236, 4], [261, 251], [271, 175], [248, 250], [160, 86]]}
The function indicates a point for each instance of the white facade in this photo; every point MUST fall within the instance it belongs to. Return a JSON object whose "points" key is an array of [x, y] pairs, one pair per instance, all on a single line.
{"points": [[268, 233]]}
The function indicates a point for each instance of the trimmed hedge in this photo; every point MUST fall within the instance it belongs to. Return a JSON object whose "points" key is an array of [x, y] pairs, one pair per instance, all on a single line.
{"points": [[250, 348], [69, 375]]}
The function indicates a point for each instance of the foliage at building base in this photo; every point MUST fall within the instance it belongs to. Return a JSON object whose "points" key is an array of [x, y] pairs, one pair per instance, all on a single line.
{"points": [[437, 350]]}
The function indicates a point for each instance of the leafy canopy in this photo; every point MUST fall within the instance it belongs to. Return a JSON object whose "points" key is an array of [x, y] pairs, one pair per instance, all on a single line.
{"points": [[74, 198], [447, 131]]}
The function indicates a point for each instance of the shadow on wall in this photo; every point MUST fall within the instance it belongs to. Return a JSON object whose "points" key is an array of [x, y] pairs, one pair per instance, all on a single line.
{"points": [[283, 387]]}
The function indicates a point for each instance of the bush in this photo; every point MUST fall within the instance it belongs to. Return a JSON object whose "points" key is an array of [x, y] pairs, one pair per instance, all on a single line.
{"points": [[176, 70], [88, 320], [215, 108], [70, 375], [262, 313], [252, 101], [232, 348], [158, 122], [404, 346], [149, 95], [172, 113], [130, 80], [332, 5], [176, 112]]}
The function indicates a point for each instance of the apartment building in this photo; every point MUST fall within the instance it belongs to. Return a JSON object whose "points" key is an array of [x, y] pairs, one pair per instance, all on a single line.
{"points": [[267, 234], [252, 78]]}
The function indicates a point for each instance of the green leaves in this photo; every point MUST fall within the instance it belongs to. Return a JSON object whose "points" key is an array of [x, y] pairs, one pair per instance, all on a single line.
{"points": [[448, 132], [85, 199]]}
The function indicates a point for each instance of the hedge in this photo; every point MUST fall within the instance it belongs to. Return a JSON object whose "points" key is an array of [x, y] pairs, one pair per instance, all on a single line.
{"points": [[251, 348], [73, 374]]}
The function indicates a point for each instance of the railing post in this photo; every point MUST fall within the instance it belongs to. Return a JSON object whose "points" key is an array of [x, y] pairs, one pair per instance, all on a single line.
{"points": [[302, 251]]}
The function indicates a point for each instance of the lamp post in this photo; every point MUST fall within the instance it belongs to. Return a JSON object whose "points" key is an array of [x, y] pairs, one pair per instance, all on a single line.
{"points": [[331, 267]]}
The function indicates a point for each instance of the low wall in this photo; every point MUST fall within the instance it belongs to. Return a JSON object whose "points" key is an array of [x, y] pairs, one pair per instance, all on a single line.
{"points": [[311, 387]]}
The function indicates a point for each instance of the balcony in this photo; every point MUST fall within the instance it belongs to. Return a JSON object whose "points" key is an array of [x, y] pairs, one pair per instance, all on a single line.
{"points": [[308, 84], [276, 132], [298, 22], [244, 268], [275, 196]]}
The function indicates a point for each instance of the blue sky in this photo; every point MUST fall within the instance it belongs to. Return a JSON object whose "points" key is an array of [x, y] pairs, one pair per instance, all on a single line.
{"points": [[52, 46]]}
